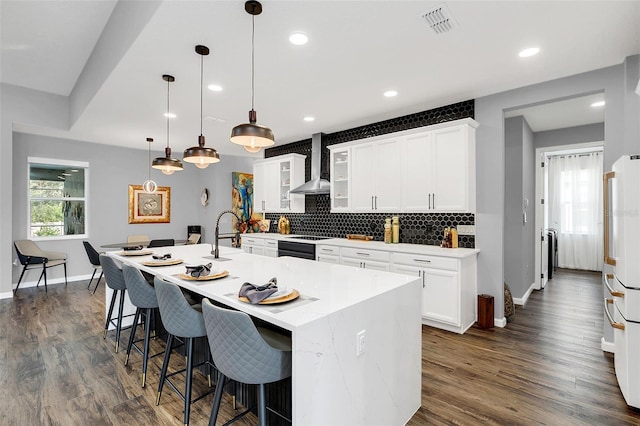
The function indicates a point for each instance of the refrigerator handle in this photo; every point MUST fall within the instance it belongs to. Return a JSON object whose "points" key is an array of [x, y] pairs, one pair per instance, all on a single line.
{"points": [[605, 281], [605, 194], [614, 324]]}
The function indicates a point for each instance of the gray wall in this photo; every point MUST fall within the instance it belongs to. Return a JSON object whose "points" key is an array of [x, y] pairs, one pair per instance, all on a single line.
{"points": [[111, 170], [570, 135], [519, 185], [622, 124]]}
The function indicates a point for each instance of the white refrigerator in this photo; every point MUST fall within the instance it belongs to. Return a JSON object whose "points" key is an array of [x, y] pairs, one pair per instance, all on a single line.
{"points": [[623, 305]]}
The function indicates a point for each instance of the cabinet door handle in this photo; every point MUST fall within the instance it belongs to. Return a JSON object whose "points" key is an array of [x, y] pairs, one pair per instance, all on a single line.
{"points": [[376, 198], [422, 260], [363, 254], [429, 200], [289, 203], [614, 324], [614, 293], [326, 249], [434, 200], [605, 195], [262, 204], [372, 202]]}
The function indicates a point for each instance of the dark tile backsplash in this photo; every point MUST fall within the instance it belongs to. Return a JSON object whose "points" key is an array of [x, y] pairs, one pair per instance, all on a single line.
{"points": [[415, 228]]}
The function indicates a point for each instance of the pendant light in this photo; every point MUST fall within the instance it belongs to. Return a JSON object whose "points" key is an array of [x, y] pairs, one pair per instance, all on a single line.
{"points": [[149, 186], [200, 155], [251, 135], [167, 164]]}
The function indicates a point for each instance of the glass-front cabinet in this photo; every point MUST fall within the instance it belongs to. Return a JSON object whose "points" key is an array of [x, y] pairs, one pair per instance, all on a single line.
{"points": [[274, 178], [340, 174]]}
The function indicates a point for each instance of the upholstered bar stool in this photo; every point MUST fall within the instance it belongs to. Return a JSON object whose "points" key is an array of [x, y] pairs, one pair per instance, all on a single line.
{"points": [[180, 320], [143, 297], [245, 353], [115, 281]]}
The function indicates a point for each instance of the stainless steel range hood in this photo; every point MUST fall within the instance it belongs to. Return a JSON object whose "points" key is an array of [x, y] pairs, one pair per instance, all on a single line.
{"points": [[316, 185]]}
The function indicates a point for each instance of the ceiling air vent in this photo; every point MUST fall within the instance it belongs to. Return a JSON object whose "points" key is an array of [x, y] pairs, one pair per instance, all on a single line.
{"points": [[439, 19]]}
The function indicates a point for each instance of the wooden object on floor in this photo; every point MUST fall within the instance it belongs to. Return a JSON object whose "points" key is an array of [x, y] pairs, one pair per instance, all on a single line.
{"points": [[485, 311]]}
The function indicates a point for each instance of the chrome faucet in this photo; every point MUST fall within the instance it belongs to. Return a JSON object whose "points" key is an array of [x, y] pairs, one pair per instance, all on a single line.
{"points": [[217, 237]]}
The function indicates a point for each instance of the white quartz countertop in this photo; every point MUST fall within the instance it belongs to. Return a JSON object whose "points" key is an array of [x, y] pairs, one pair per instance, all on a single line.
{"points": [[324, 288], [375, 245]]}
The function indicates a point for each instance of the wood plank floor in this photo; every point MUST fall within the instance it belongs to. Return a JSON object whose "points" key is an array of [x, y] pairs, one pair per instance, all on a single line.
{"points": [[545, 367]]}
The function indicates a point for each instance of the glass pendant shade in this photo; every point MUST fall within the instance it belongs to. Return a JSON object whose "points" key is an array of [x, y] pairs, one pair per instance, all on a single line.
{"points": [[200, 155], [149, 186], [166, 164]]}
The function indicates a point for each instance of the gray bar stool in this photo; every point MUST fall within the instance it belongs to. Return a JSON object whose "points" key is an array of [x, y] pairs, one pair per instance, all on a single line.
{"points": [[115, 281], [143, 297], [180, 320], [246, 354]]}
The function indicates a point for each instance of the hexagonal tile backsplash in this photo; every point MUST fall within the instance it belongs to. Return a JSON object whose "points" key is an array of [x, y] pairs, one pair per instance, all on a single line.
{"points": [[415, 228]]}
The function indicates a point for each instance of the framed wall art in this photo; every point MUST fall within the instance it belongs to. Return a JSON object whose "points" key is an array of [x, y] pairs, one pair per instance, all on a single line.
{"points": [[149, 208]]}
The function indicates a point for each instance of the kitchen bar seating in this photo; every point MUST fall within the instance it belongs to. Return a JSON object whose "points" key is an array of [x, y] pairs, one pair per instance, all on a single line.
{"points": [[143, 297], [94, 259], [115, 281], [180, 320], [245, 353]]}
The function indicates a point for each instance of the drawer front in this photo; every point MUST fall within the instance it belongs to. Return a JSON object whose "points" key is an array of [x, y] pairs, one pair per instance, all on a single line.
{"points": [[252, 241], [271, 244], [364, 254], [436, 262], [333, 250]]}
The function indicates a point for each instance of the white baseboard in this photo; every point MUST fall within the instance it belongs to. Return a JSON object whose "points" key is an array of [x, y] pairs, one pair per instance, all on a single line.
{"points": [[500, 322], [50, 281], [6, 295], [521, 301], [607, 346]]}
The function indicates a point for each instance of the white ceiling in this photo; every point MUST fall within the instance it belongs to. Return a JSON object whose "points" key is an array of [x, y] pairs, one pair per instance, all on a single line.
{"points": [[356, 51]]}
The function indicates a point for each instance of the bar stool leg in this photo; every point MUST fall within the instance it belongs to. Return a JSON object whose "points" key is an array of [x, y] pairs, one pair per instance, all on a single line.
{"points": [[119, 324], [165, 365], [189, 373], [217, 399], [262, 406], [145, 355], [91, 280], [111, 305], [134, 327]]}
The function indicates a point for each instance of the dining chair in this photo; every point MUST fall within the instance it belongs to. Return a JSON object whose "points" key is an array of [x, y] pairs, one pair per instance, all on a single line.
{"points": [[193, 239], [245, 353], [162, 243], [31, 257], [115, 281], [138, 239], [94, 259]]}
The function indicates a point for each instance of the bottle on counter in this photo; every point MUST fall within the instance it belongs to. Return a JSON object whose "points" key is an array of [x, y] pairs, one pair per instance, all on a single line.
{"points": [[446, 238], [454, 237], [387, 230], [395, 230]]}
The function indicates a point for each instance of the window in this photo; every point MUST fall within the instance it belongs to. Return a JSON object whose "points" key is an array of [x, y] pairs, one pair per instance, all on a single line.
{"points": [[57, 198]]}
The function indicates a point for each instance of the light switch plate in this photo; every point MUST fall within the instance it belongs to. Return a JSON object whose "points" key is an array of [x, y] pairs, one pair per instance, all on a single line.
{"points": [[466, 229]]}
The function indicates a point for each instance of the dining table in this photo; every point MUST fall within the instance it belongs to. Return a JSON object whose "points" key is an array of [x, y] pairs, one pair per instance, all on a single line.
{"points": [[356, 333]]}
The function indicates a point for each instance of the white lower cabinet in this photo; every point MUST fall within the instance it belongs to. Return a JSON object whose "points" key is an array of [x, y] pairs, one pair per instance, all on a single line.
{"points": [[271, 248], [449, 295], [363, 258], [253, 245], [327, 254]]}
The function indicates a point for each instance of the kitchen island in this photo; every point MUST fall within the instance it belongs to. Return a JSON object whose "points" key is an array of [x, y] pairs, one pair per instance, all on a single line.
{"points": [[331, 382]]}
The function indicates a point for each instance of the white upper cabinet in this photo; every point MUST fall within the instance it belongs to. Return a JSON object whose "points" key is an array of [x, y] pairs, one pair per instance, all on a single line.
{"points": [[375, 176], [340, 174], [431, 169], [273, 179]]}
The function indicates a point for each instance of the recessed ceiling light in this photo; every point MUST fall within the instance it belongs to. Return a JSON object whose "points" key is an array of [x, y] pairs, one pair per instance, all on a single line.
{"points": [[169, 115], [309, 118], [298, 38], [529, 52], [214, 88], [390, 93], [597, 104]]}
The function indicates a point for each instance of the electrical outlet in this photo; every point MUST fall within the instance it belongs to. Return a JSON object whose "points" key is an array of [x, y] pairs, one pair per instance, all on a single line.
{"points": [[360, 342], [466, 229]]}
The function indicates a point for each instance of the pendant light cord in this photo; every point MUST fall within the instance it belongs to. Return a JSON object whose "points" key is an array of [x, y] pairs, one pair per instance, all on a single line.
{"points": [[253, 56], [201, 68], [149, 162], [168, 83]]}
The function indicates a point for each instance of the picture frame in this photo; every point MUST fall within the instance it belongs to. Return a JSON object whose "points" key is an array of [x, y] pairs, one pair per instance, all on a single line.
{"points": [[149, 208]]}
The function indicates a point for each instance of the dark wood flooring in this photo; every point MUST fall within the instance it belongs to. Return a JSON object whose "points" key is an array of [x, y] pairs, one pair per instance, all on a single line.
{"points": [[545, 367]]}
